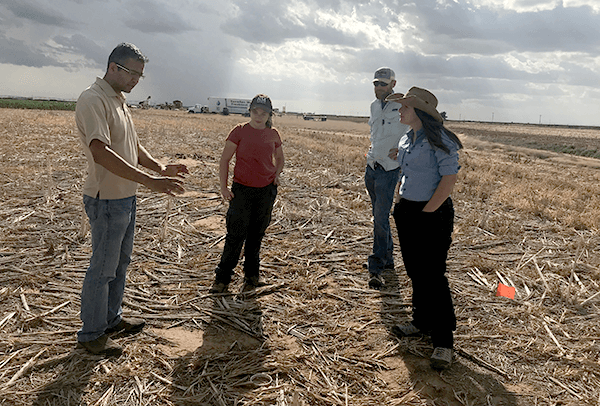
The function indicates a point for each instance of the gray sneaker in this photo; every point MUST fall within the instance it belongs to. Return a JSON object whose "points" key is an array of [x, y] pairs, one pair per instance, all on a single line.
{"points": [[376, 282], [441, 358], [406, 330]]}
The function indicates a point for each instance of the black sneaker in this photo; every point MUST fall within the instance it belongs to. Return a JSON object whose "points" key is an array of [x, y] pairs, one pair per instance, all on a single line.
{"points": [[388, 267], [441, 358], [127, 327], [102, 345], [218, 287], [248, 286], [406, 330], [251, 284], [376, 282]]}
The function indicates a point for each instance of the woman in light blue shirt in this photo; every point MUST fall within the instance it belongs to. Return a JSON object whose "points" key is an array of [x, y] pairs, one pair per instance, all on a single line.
{"points": [[424, 216]]}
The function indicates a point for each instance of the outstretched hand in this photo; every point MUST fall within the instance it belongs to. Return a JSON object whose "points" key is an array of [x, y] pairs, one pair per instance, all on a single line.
{"points": [[168, 185], [175, 170], [393, 154]]}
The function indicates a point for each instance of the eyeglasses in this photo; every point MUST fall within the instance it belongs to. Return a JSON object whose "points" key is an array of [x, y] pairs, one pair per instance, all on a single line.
{"points": [[131, 72], [382, 84]]}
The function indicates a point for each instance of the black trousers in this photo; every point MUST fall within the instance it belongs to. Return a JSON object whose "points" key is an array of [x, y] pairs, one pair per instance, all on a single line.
{"points": [[425, 239], [248, 217]]}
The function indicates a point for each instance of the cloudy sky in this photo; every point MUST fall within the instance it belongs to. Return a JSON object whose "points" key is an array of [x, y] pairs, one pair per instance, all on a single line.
{"points": [[503, 60]]}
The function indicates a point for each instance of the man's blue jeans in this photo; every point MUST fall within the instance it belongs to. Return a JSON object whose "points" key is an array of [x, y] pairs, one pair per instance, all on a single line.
{"points": [[381, 185], [113, 224]]}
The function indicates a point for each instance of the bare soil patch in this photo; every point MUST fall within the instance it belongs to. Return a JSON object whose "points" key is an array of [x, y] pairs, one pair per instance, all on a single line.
{"points": [[315, 335]]}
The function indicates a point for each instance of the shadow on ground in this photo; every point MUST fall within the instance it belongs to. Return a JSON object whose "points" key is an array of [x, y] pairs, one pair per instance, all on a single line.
{"points": [[71, 377], [231, 360], [465, 383]]}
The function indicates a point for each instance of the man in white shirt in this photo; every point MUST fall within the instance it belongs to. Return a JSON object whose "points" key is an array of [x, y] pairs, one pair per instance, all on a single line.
{"points": [[381, 174]]}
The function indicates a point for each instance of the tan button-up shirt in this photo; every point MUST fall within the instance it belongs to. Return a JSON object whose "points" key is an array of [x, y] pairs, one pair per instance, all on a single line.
{"points": [[102, 114]]}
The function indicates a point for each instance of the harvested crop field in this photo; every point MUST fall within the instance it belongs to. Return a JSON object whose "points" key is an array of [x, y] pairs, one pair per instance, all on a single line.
{"points": [[315, 335]]}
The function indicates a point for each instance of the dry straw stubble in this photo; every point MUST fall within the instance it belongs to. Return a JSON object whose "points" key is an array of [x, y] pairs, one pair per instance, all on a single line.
{"points": [[316, 335]]}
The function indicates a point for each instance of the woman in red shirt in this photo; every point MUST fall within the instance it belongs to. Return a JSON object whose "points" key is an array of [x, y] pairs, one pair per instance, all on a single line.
{"points": [[259, 161]]}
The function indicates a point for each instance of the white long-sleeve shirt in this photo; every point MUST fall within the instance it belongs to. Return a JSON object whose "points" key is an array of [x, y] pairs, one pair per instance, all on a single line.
{"points": [[386, 131]]}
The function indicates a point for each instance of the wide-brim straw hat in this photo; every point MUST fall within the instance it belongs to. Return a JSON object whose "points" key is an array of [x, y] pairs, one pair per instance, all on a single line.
{"points": [[418, 98]]}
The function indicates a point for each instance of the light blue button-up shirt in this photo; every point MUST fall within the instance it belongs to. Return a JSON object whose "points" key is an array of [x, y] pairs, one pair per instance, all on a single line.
{"points": [[423, 165]]}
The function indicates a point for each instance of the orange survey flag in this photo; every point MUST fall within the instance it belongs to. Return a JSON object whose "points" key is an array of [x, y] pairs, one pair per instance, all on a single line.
{"points": [[506, 291]]}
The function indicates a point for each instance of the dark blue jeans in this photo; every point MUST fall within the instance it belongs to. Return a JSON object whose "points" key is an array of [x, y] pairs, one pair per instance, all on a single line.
{"points": [[381, 185], [248, 217], [425, 239]]}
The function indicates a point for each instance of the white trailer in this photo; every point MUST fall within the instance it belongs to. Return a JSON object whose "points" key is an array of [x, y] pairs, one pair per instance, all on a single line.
{"points": [[223, 105]]}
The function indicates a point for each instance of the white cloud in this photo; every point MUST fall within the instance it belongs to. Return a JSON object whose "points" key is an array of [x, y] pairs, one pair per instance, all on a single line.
{"points": [[515, 57]]}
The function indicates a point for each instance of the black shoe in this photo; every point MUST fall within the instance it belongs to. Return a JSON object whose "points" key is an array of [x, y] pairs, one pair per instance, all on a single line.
{"points": [[218, 287], [441, 358], [376, 282], [127, 327], [102, 345], [406, 330], [251, 284], [248, 286], [388, 267]]}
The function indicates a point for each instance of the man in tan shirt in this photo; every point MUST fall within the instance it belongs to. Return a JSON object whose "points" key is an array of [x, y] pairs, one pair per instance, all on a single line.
{"points": [[113, 152]]}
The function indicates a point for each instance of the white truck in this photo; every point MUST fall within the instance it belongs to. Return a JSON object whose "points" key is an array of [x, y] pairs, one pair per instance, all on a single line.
{"points": [[223, 105], [198, 108]]}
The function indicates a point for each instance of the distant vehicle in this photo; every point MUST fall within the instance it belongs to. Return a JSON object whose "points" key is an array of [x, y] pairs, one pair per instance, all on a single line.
{"points": [[223, 105], [315, 118], [198, 108]]}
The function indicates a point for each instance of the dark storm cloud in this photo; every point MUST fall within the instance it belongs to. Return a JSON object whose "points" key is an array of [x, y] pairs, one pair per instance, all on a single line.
{"points": [[18, 53], [577, 75], [457, 28], [432, 26], [263, 24], [150, 17], [571, 29], [37, 13], [410, 64], [81, 45]]}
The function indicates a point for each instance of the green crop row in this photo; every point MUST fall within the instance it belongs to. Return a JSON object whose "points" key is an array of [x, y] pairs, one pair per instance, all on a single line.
{"points": [[37, 104]]}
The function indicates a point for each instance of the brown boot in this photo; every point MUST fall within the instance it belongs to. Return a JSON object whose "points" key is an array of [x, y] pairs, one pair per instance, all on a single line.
{"points": [[102, 345]]}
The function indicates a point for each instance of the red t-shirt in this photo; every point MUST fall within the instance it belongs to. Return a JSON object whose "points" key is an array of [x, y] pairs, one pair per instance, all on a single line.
{"points": [[254, 164]]}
